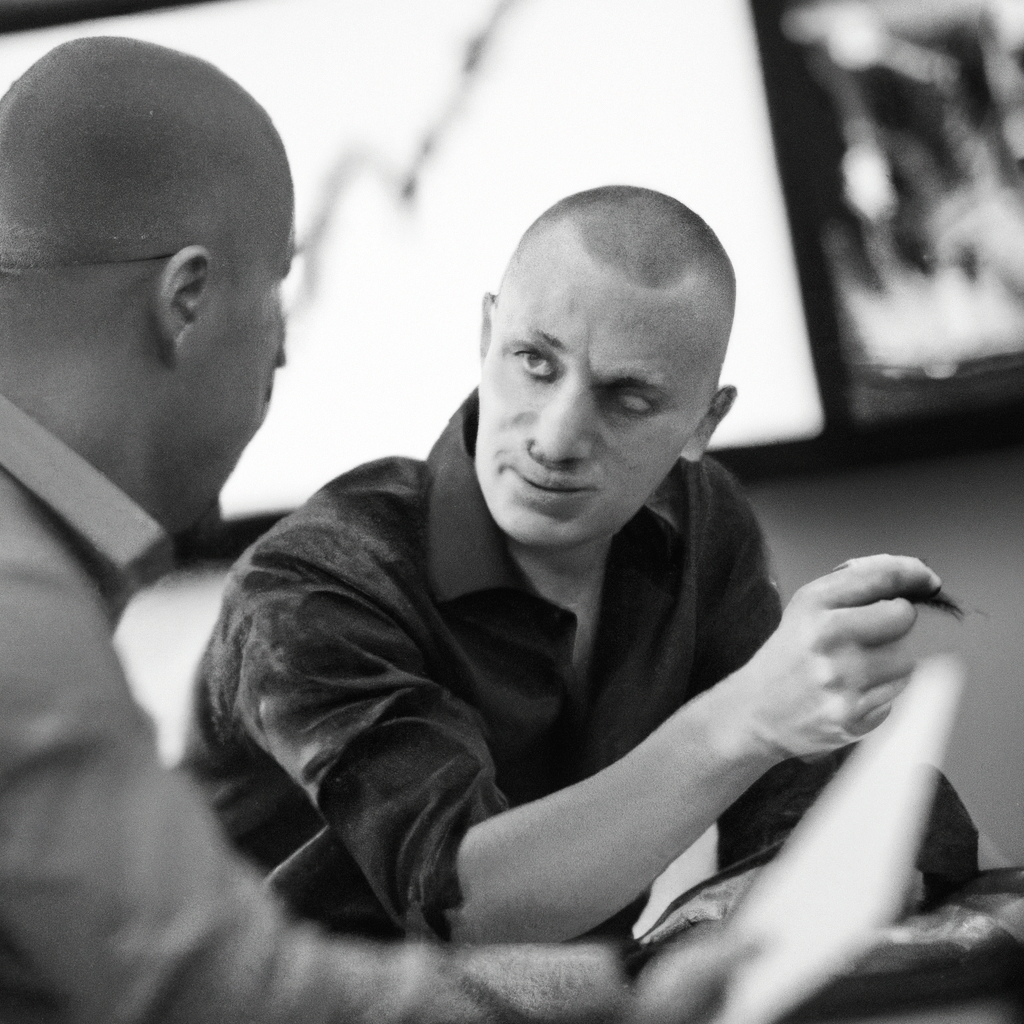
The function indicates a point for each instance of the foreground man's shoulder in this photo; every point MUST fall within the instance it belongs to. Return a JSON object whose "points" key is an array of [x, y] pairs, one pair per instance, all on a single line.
{"points": [[55, 631], [35, 552]]}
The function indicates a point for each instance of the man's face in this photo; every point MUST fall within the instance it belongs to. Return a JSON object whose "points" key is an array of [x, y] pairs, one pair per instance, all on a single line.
{"points": [[591, 388]]}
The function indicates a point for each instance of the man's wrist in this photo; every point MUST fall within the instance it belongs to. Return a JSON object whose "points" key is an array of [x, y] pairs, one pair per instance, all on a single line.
{"points": [[729, 729]]}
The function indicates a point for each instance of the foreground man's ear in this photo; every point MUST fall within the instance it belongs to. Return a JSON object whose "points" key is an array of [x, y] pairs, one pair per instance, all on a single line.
{"points": [[485, 323], [180, 292], [717, 410]]}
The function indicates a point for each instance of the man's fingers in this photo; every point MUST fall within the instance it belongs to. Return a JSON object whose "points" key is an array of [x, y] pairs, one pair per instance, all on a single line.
{"points": [[875, 578], [857, 672], [871, 719], [874, 704], [881, 695], [872, 625]]}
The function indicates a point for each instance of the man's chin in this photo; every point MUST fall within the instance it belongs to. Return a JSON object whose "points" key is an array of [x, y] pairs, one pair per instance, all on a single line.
{"points": [[533, 529]]}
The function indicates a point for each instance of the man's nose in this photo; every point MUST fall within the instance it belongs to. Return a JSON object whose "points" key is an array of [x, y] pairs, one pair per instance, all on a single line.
{"points": [[565, 427]]}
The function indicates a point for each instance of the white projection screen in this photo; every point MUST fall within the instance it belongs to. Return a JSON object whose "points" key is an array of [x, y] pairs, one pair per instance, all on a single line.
{"points": [[562, 95]]}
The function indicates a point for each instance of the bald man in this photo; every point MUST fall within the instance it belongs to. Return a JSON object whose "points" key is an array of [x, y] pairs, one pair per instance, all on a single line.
{"points": [[518, 679], [145, 228]]}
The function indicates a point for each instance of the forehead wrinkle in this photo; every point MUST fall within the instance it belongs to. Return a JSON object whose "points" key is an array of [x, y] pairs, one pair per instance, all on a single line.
{"points": [[629, 371]]}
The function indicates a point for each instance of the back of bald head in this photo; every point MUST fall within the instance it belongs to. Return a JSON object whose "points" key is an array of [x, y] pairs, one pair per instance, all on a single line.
{"points": [[118, 150], [647, 237]]}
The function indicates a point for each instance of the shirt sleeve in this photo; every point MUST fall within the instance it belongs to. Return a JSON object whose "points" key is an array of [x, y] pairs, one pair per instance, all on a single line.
{"points": [[338, 690]]}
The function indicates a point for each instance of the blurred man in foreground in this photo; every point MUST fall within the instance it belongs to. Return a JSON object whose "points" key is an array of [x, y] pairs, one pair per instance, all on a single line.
{"points": [[145, 227], [518, 679]]}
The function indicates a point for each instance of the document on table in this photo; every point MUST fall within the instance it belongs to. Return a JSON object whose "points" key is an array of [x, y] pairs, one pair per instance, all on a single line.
{"points": [[845, 870]]}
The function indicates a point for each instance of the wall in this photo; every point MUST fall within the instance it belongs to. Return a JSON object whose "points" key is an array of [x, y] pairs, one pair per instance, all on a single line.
{"points": [[963, 515]]}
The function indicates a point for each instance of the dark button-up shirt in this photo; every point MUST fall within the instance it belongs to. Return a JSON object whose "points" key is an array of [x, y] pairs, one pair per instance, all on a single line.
{"points": [[119, 901], [382, 666]]}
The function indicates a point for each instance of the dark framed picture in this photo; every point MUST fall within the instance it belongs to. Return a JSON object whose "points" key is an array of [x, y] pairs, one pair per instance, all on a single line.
{"points": [[899, 129]]}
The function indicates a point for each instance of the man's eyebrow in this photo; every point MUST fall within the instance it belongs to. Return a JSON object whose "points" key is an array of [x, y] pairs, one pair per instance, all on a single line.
{"points": [[630, 380], [550, 339]]}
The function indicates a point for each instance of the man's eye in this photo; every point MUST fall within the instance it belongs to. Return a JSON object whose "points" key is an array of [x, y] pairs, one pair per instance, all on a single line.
{"points": [[535, 364], [631, 402]]}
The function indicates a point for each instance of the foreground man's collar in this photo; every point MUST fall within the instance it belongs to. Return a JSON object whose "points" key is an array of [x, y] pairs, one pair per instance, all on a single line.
{"points": [[466, 550], [131, 549]]}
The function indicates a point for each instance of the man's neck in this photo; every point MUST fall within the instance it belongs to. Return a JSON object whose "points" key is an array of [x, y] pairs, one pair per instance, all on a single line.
{"points": [[563, 576], [573, 580]]}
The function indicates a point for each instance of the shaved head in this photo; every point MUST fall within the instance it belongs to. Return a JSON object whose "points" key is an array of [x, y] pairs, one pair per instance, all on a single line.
{"points": [[647, 237], [146, 226], [601, 360], [116, 150]]}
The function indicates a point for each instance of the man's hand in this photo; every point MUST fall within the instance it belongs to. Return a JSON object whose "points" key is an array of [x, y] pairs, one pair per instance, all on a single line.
{"points": [[830, 672], [556, 867]]}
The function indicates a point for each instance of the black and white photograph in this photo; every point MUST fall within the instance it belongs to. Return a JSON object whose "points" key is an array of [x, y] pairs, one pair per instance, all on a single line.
{"points": [[512, 511]]}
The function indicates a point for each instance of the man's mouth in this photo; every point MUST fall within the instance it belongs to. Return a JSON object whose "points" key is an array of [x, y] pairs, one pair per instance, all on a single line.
{"points": [[553, 485]]}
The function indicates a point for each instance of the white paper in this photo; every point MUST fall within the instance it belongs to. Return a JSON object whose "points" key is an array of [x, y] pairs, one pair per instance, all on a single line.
{"points": [[845, 870]]}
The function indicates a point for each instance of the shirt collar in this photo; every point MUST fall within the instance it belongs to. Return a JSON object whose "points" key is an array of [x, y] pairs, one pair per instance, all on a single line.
{"points": [[466, 550], [124, 547]]}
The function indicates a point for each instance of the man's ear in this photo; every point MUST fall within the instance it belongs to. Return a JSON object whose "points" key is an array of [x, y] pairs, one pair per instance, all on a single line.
{"points": [[181, 289], [701, 437], [485, 323]]}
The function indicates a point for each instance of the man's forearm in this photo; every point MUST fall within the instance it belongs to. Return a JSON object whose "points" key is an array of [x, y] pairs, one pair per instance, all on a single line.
{"points": [[555, 868]]}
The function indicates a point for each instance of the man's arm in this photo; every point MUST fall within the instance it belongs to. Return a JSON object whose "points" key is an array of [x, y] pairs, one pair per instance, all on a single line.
{"points": [[337, 689], [119, 901], [559, 866]]}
